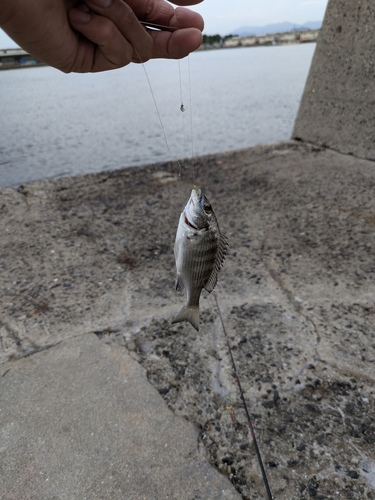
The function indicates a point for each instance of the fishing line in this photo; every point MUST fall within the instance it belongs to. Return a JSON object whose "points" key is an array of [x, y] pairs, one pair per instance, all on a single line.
{"points": [[191, 121], [158, 114], [249, 421], [182, 108]]}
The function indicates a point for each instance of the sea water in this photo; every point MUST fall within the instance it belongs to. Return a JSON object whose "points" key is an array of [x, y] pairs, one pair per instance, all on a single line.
{"points": [[54, 125]]}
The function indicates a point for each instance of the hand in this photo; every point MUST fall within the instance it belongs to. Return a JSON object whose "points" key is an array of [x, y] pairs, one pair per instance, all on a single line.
{"points": [[99, 35]]}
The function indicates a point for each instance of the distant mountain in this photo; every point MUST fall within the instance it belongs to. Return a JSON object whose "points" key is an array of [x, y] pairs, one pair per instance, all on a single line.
{"points": [[269, 29]]}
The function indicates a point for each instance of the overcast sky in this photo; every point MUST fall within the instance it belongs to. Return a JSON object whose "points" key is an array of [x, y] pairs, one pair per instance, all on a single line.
{"points": [[224, 16]]}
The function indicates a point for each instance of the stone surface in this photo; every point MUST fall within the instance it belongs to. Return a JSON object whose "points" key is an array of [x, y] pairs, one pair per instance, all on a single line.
{"points": [[94, 254], [81, 421], [338, 101]]}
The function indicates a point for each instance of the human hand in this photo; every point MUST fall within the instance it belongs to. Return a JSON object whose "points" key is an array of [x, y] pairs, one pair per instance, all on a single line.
{"points": [[100, 34]]}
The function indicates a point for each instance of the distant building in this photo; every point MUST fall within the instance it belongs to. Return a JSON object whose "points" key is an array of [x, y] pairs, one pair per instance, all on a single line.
{"points": [[273, 39], [17, 58]]}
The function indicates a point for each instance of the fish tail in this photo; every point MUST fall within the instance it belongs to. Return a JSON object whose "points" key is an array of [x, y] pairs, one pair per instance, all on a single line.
{"points": [[190, 314]]}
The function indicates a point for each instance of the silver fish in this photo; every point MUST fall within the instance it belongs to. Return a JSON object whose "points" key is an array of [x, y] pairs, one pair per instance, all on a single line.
{"points": [[200, 250]]}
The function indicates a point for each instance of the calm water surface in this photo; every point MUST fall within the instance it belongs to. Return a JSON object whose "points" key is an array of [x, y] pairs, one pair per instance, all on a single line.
{"points": [[54, 125]]}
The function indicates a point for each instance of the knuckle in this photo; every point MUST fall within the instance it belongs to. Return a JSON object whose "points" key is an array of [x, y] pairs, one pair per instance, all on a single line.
{"points": [[126, 16], [149, 9], [107, 29]]}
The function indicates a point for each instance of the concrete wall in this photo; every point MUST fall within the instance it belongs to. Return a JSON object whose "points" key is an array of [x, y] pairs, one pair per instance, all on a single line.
{"points": [[338, 104]]}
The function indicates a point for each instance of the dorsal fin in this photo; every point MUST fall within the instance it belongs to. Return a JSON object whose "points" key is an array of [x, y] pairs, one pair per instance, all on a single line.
{"points": [[220, 256]]}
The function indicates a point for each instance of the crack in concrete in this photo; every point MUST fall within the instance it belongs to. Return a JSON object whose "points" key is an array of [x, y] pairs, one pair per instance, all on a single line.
{"points": [[297, 306], [35, 349], [299, 309]]}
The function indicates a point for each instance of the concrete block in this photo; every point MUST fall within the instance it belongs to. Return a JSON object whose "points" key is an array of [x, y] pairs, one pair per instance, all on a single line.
{"points": [[337, 107], [82, 421]]}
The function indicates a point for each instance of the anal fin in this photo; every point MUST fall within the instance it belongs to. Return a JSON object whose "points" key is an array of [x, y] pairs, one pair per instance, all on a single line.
{"points": [[179, 285]]}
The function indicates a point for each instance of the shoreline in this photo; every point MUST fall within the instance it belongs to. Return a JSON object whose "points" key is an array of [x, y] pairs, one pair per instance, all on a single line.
{"points": [[274, 40]]}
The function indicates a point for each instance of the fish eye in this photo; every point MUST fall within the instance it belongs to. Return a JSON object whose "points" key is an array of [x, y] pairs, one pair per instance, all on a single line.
{"points": [[207, 208]]}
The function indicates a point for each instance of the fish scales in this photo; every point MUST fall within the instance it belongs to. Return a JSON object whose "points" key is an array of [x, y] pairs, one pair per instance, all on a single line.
{"points": [[200, 249], [199, 265]]}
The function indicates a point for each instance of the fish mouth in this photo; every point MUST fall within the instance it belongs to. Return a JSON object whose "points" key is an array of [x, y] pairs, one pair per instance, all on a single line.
{"points": [[194, 199], [191, 207], [188, 223], [195, 196]]}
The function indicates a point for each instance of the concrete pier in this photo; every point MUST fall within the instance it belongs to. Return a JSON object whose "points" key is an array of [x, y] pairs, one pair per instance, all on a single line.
{"points": [[100, 397], [337, 109]]}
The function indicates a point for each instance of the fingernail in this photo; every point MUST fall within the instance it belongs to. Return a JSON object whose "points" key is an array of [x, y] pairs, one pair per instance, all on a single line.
{"points": [[104, 4]]}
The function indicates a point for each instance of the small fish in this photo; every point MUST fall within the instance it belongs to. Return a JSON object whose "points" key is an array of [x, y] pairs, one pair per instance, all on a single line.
{"points": [[200, 250]]}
